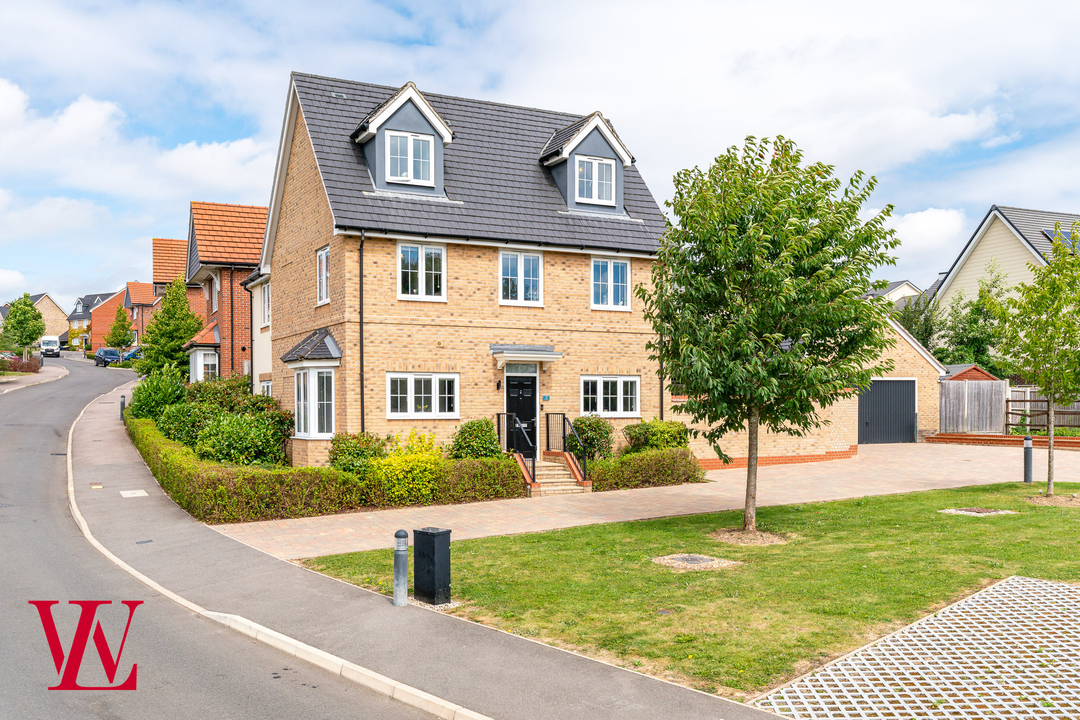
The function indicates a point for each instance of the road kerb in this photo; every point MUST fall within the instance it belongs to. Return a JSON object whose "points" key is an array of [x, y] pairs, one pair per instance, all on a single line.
{"points": [[291, 646], [39, 382]]}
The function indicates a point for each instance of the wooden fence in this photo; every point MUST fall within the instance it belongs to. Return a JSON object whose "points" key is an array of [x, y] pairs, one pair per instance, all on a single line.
{"points": [[973, 406], [1027, 408]]}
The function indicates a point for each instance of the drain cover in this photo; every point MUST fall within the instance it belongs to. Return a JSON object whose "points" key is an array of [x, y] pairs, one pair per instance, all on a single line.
{"points": [[693, 559]]}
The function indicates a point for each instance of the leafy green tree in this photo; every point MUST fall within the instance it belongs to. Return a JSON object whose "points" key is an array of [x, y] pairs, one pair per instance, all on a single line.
{"points": [[922, 317], [1040, 331], [24, 324], [172, 326], [120, 334], [971, 328], [758, 295]]}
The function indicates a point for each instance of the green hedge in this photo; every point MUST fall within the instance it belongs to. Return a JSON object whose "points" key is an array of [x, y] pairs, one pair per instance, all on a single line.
{"points": [[1059, 431], [656, 435], [647, 468], [216, 493]]}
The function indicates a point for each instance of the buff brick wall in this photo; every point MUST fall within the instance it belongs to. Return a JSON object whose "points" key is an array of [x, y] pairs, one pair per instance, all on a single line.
{"points": [[56, 322]]}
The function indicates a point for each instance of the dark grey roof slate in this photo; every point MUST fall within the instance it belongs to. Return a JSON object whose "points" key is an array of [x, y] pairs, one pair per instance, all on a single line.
{"points": [[319, 345], [1031, 223], [497, 348], [957, 369], [559, 138], [888, 288], [3, 311], [498, 188], [90, 302]]}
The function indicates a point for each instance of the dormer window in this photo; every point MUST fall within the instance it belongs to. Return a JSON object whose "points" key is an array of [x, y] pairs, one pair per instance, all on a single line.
{"points": [[595, 180], [409, 158]]}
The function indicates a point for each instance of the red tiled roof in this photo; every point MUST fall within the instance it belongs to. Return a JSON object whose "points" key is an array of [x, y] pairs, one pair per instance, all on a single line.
{"points": [[206, 336], [170, 259], [141, 293], [228, 233]]}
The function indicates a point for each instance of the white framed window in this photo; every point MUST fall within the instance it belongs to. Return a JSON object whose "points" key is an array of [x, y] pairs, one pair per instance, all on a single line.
{"points": [[322, 275], [314, 409], [610, 284], [135, 312], [421, 272], [595, 180], [611, 395], [422, 395], [521, 278], [266, 304], [214, 287], [202, 365], [409, 158], [134, 337], [266, 387]]}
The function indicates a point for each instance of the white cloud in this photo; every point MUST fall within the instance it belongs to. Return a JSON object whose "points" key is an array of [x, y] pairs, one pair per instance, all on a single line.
{"points": [[930, 241], [12, 282], [46, 217], [999, 140]]}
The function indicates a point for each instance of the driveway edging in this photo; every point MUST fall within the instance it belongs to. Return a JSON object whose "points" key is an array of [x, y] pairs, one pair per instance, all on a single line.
{"points": [[332, 663]]}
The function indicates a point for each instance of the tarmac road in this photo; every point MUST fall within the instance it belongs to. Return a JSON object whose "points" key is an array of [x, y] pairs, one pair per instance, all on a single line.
{"points": [[188, 667]]}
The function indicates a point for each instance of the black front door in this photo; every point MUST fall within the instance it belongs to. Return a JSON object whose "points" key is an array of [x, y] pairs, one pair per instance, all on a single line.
{"points": [[521, 401]]}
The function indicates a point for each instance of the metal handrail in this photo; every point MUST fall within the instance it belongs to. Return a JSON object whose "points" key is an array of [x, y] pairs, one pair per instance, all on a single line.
{"points": [[556, 439], [505, 439], [584, 448]]}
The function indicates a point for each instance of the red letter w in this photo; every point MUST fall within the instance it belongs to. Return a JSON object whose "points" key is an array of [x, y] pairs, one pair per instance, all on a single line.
{"points": [[69, 678]]}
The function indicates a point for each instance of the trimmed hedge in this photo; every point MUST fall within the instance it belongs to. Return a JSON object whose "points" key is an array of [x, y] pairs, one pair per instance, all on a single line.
{"points": [[656, 435], [352, 452], [19, 365], [647, 468], [249, 439], [184, 421], [216, 493]]}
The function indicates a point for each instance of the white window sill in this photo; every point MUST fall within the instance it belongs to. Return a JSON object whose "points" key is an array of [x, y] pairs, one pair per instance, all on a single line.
{"points": [[323, 436], [323, 302], [423, 416], [602, 203], [616, 416], [414, 183], [264, 325], [612, 308], [520, 303], [420, 298]]}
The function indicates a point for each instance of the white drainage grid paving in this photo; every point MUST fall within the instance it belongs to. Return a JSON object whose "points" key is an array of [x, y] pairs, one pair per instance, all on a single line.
{"points": [[1009, 651]]}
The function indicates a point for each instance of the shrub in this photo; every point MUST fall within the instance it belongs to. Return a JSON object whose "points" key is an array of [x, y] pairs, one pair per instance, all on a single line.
{"points": [[158, 390], [19, 365], [415, 444], [656, 435], [476, 439], [473, 480], [647, 468], [89, 354], [184, 421], [246, 439], [352, 452], [404, 479], [232, 394], [1059, 431], [216, 493], [596, 432]]}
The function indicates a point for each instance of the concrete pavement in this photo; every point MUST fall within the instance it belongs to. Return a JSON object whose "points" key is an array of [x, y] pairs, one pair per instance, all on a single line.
{"points": [[488, 671], [49, 372], [876, 470]]}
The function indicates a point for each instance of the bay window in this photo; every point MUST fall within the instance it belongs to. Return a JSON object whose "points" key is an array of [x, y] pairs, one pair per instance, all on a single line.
{"points": [[314, 409]]}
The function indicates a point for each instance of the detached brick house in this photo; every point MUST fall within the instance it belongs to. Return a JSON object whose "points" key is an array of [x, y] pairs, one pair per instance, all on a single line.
{"points": [[224, 244], [141, 304], [102, 316], [436, 259], [170, 262], [79, 318]]}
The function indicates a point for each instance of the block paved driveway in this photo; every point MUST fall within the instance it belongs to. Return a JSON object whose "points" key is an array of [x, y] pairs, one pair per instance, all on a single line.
{"points": [[876, 470]]}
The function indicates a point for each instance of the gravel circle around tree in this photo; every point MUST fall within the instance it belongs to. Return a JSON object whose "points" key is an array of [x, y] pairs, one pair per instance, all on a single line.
{"points": [[976, 512], [690, 561], [734, 536]]}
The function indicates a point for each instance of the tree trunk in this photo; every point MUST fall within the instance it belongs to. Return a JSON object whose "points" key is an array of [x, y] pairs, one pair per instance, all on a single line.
{"points": [[1049, 447], [750, 509]]}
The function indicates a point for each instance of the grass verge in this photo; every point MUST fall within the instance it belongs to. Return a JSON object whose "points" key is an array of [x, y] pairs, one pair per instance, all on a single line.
{"points": [[850, 572]]}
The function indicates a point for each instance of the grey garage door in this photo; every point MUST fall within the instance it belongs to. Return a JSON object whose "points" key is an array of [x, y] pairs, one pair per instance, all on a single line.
{"points": [[887, 412]]}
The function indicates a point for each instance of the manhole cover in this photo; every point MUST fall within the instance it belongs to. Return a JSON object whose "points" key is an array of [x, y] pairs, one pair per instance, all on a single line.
{"points": [[689, 561], [976, 512]]}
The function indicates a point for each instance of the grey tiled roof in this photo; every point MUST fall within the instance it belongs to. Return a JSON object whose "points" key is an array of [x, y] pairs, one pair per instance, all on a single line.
{"points": [[497, 348], [89, 302], [1031, 223], [888, 288], [319, 345], [957, 369], [497, 188], [559, 138]]}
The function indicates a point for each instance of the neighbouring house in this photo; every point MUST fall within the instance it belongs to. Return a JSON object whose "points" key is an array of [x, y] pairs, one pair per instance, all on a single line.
{"points": [[437, 259], [1010, 237], [79, 319], [897, 290], [224, 245], [54, 316], [102, 317], [967, 371], [170, 262], [141, 304]]}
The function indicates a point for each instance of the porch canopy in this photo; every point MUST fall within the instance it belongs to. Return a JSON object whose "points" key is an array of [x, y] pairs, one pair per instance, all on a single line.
{"points": [[544, 354]]}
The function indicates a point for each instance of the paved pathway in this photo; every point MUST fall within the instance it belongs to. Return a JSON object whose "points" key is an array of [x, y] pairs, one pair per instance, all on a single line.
{"points": [[876, 470], [50, 371]]}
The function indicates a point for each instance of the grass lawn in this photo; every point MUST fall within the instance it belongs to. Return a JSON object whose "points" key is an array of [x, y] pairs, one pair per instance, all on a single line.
{"points": [[851, 571], [9, 372]]}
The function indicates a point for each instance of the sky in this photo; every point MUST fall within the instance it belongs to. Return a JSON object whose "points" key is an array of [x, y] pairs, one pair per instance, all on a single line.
{"points": [[115, 115]]}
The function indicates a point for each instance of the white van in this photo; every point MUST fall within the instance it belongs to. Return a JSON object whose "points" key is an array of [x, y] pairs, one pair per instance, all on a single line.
{"points": [[50, 346]]}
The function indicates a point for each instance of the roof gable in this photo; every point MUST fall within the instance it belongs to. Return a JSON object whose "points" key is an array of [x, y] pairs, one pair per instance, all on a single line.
{"points": [[518, 203], [919, 348], [224, 234], [408, 92], [139, 294], [170, 259], [563, 142], [998, 213]]}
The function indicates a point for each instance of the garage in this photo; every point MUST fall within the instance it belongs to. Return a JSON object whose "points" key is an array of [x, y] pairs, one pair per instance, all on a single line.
{"points": [[888, 412]]}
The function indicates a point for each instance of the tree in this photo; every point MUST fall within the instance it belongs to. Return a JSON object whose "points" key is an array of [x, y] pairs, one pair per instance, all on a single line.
{"points": [[971, 328], [24, 324], [172, 326], [921, 316], [758, 295], [120, 335], [1040, 331]]}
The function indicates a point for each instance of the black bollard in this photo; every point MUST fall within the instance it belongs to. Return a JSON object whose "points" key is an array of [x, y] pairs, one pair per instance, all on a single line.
{"points": [[1027, 459]]}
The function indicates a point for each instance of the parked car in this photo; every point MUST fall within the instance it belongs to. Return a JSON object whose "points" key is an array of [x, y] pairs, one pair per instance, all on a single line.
{"points": [[8, 355], [132, 354], [106, 356], [50, 346]]}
